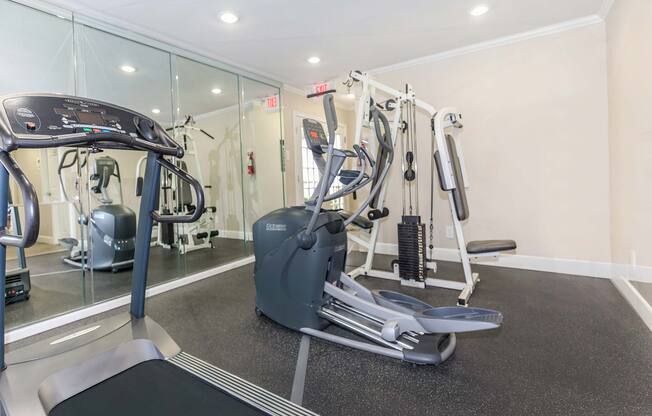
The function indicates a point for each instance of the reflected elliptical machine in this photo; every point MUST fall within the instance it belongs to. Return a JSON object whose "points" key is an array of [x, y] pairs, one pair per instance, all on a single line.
{"points": [[125, 364], [301, 255], [112, 227]]}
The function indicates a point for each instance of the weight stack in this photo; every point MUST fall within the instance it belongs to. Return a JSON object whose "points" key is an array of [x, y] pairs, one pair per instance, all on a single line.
{"points": [[412, 249]]}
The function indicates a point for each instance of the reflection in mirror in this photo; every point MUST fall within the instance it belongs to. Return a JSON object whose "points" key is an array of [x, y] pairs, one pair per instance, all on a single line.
{"points": [[229, 126], [261, 141], [135, 76], [207, 126], [40, 59]]}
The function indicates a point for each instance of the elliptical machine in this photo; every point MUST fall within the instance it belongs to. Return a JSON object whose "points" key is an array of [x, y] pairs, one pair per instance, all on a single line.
{"points": [[301, 255], [112, 231]]}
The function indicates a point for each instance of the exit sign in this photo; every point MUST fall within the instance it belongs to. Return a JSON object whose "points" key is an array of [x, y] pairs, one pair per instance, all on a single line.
{"points": [[272, 104], [320, 88]]}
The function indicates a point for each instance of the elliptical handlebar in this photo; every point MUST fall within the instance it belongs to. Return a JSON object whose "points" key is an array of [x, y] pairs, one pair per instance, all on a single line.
{"points": [[307, 238], [384, 137], [359, 181]]}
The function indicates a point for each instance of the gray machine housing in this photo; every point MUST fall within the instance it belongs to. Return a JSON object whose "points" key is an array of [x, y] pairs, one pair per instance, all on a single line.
{"points": [[112, 227], [113, 237], [292, 292]]}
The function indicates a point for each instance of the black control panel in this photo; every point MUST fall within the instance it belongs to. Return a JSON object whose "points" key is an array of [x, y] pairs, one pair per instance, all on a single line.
{"points": [[37, 115], [315, 136]]}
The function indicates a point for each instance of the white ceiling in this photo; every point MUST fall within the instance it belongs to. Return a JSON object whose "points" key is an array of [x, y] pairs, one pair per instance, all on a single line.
{"points": [[274, 37]]}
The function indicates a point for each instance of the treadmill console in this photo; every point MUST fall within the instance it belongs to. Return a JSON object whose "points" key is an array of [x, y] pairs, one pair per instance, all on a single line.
{"points": [[315, 137], [43, 116]]}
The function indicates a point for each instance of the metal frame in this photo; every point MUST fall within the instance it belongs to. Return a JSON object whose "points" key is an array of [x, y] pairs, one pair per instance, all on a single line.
{"points": [[447, 119]]}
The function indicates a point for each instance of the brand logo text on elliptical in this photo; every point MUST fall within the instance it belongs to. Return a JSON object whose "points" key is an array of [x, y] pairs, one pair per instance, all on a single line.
{"points": [[276, 227]]}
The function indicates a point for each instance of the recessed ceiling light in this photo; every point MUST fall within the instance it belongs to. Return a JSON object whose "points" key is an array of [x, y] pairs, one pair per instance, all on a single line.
{"points": [[156, 110], [128, 69], [314, 60], [479, 10], [229, 17], [216, 91]]}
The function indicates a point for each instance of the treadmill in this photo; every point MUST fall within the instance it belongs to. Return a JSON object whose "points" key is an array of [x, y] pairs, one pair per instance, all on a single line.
{"points": [[126, 364]]}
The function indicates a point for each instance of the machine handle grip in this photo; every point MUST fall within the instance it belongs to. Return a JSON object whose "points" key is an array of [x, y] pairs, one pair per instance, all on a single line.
{"points": [[331, 117], [30, 201], [319, 94], [196, 186]]}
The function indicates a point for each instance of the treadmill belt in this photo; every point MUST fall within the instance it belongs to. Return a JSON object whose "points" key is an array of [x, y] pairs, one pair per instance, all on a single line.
{"points": [[154, 387]]}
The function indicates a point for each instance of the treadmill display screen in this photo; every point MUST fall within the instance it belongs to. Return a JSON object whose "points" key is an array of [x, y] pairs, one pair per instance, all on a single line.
{"points": [[90, 118], [47, 115]]}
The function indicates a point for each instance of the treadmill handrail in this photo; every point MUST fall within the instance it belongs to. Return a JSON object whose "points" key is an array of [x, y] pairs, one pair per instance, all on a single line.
{"points": [[30, 203], [169, 148]]}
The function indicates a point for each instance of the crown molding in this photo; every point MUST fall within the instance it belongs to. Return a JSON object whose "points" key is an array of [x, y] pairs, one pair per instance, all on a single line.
{"points": [[294, 89], [102, 21], [606, 8], [506, 40]]}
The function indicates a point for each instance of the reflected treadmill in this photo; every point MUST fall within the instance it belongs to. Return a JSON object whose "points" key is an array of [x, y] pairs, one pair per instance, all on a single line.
{"points": [[126, 364]]}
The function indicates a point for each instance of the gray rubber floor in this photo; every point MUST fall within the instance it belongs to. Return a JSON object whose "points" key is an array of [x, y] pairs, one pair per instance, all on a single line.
{"points": [[58, 287], [645, 289], [569, 346]]}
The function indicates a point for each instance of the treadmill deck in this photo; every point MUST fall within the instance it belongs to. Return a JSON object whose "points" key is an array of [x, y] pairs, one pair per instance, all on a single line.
{"points": [[154, 387]]}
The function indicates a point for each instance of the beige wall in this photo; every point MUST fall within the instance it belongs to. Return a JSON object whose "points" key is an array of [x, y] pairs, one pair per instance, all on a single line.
{"points": [[261, 134], [629, 30], [535, 143], [221, 167]]}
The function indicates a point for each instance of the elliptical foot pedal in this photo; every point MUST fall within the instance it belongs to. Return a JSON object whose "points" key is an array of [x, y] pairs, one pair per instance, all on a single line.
{"points": [[459, 319], [68, 243], [399, 301]]}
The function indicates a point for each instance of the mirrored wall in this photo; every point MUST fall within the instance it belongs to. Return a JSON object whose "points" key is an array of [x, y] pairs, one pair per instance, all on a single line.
{"points": [[229, 125]]}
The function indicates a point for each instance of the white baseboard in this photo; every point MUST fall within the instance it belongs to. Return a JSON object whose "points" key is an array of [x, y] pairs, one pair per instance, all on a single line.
{"points": [[98, 308], [47, 239], [236, 234], [602, 270], [640, 305]]}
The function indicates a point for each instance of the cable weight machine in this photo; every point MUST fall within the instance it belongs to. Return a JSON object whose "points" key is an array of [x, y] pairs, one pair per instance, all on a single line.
{"points": [[411, 264], [447, 172]]}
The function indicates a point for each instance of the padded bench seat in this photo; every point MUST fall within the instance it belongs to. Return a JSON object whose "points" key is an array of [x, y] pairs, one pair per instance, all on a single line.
{"points": [[490, 246], [359, 221]]}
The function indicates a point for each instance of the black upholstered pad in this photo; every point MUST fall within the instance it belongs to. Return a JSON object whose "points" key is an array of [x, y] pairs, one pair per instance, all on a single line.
{"points": [[359, 221], [459, 192], [490, 246]]}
